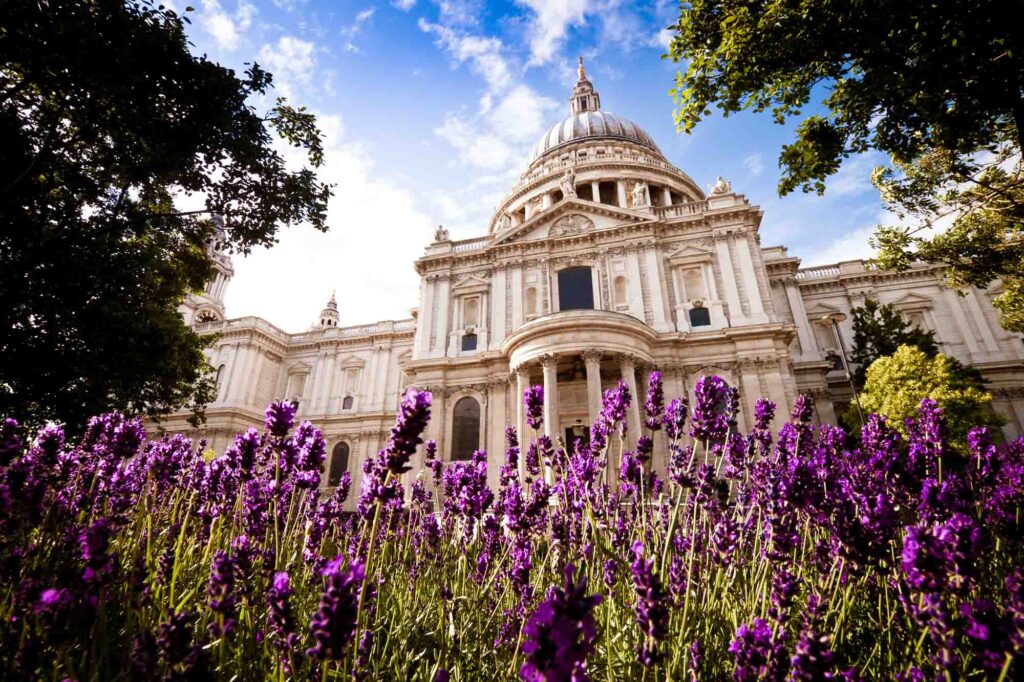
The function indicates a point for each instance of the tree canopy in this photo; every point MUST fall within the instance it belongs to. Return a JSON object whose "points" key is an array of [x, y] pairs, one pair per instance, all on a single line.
{"points": [[878, 330], [939, 87], [107, 119], [896, 384]]}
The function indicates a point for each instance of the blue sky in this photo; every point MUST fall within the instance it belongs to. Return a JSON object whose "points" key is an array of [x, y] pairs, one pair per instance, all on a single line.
{"points": [[430, 108]]}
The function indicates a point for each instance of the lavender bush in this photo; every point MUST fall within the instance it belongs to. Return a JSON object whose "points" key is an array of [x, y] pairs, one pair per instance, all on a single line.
{"points": [[760, 556]]}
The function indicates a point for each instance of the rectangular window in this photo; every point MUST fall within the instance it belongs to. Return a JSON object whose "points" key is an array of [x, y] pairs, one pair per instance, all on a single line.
{"points": [[575, 289], [468, 342]]}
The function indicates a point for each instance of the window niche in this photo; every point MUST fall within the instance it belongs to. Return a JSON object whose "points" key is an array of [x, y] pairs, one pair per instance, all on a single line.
{"points": [[469, 312], [576, 288], [698, 306], [465, 428], [339, 464]]}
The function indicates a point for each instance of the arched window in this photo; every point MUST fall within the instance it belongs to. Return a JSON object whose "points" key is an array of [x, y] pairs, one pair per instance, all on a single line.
{"points": [[339, 464], [620, 290], [346, 404], [575, 289], [531, 301], [700, 317], [465, 428]]}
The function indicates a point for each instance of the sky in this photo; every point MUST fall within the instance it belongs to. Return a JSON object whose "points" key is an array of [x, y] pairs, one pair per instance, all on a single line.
{"points": [[429, 109]]}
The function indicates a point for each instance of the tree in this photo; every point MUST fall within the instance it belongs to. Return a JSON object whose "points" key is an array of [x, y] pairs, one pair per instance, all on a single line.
{"points": [[939, 87], [878, 330], [896, 384], [106, 119]]}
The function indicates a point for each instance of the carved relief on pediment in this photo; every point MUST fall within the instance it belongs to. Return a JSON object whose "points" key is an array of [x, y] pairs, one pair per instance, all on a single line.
{"points": [[574, 223]]}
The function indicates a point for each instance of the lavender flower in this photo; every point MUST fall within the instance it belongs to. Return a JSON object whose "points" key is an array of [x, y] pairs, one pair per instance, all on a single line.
{"points": [[533, 401], [944, 556], [675, 417], [614, 404], [280, 417], [711, 410], [561, 632], [752, 649], [655, 403], [221, 590], [413, 415], [651, 608], [334, 624]]}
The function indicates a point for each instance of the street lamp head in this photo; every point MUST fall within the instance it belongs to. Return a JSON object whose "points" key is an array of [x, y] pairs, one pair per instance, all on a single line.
{"points": [[833, 318]]}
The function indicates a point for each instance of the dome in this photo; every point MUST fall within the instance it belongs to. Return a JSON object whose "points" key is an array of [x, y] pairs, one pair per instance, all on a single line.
{"points": [[589, 125]]}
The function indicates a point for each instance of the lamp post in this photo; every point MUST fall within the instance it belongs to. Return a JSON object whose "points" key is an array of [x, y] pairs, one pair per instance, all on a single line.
{"points": [[834, 319]]}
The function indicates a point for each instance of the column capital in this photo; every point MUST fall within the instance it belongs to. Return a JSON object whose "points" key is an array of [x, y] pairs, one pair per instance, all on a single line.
{"points": [[591, 355], [548, 360], [627, 360]]}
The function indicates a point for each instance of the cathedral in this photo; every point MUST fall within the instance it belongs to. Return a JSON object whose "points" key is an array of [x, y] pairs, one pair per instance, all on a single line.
{"points": [[603, 262]]}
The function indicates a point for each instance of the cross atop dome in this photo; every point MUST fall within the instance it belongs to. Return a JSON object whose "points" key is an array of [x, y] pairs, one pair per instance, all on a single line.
{"points": [[584, 96]]}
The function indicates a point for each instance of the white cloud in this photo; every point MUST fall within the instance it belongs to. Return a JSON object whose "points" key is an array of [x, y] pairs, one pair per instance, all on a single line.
{"points": [[404, 5], [483, 53], [459, 12], [291, 61], [854, 176], [350, 32], [550, 25], [754, 164], [368, 248], [226, 28], [662, 38]]}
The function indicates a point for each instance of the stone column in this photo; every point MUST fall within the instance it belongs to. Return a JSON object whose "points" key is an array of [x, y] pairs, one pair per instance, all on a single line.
{"points": [[666, 196], [620, 186], [634, 294], [659, 300], [754, 296], [441, 330], [979, 319], [808, 347], [627, 366], [550, 365], [522, 383], [592, 359], [595, 190], [424, 317], [498, 308], [517, 297], [732, 293], [495, 429], [961, 320], [329, 381]]}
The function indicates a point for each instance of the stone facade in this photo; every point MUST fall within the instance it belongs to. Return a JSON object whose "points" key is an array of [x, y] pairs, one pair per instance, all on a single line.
{"points": [[602, 263]]}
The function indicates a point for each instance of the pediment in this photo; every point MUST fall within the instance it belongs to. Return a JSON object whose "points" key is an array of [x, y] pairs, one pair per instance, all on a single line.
{"points": [[913, 300], [690, 254], [570, 217], [471, 283], [819, 310], [352, 362], [299, 368]]}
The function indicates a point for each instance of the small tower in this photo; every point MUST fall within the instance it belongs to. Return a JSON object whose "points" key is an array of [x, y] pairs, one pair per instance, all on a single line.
{"points": [[208, 306], [584, 96], [329, 315]]}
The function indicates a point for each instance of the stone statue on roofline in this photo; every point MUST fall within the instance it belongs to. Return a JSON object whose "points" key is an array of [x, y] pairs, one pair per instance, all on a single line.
{"points": [[568, 184], [441, 234], [722, 186], [640, 195], [504, 221]]}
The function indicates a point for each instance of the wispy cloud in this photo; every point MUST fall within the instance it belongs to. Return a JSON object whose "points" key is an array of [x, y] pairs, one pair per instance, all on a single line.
{"points": [[404, 5], [226, 28], [550, 25], [291, 60], [349, 33], [754, 164]]}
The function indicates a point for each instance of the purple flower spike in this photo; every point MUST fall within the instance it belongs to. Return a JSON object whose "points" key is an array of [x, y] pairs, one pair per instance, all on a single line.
{"points": [[614, 404], [334, 625], [651, 606], [711, 411], [280, 417], [533, 401], [803, 409], [675, 417], [560, 634], [655, 403], [413, 415]]}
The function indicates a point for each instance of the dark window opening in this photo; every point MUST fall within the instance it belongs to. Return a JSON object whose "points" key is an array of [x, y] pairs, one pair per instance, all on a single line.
{"points": [[575, 289], [346, 404], [469, 342], [557, 196], [835, 361], [576, 433], [609, 193], [339, 464], [585, 191], [465, 428], [700, 317]]}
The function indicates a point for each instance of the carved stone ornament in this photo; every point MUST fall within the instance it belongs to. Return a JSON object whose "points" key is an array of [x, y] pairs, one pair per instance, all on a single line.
{"points": [[639, 198], [568, 184], [573, 223], [721, 186], [504, 222], [441, 234]]}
